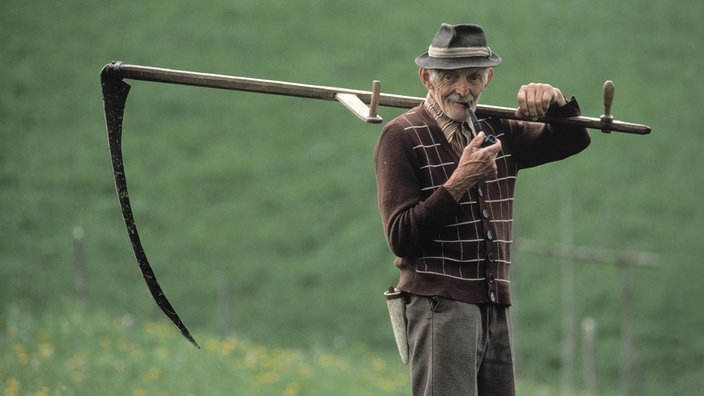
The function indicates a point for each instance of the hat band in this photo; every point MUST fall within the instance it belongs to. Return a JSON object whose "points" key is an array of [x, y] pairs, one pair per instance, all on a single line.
{"points": [[459, 52]]}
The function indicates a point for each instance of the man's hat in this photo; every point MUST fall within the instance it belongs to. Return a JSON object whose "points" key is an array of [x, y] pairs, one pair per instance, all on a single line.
{"points": [[458, 47]]}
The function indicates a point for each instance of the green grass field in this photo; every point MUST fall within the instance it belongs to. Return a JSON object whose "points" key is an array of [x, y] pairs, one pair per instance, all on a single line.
{"points": [[73, 353], [258, 213]]}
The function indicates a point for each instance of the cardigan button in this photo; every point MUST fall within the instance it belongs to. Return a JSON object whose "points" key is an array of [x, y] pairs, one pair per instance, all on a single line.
{"points": [[492, 297], [489, 235], [485, 213]]}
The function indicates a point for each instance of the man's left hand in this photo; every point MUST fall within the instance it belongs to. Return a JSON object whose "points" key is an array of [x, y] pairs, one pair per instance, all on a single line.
{"points": [[534, 99]]}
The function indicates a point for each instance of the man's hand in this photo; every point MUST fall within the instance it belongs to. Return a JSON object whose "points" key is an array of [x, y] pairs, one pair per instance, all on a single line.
{"points": [[476, 164], [535, 99]]}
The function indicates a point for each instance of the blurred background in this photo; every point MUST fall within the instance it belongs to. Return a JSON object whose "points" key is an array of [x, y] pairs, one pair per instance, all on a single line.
{"points": [[258, 212]]}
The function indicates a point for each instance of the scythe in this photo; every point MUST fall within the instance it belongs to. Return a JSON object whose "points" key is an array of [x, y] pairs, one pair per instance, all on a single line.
{"points": [[363, 104]]}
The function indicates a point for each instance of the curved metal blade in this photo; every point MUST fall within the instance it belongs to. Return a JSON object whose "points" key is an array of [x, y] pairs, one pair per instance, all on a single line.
{"points": [[114, 97]]}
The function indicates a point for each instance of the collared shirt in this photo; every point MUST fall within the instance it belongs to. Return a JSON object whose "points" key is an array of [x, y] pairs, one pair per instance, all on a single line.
{"points": [[457, 133]]}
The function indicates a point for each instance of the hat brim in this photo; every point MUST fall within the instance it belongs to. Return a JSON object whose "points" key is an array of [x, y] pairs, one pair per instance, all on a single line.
{"points": [[427, 62]]}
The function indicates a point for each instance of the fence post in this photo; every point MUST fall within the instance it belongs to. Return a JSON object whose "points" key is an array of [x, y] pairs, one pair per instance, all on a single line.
{"points": [[569, 338], [224, 305], [589, 335], [80, 282]]}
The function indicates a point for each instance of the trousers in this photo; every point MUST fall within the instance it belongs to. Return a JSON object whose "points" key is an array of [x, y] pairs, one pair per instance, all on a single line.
{"points": [[457, 348]]}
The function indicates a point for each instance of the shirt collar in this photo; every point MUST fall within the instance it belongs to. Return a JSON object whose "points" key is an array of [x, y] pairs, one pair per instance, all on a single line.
{"points": [[457, 133]]}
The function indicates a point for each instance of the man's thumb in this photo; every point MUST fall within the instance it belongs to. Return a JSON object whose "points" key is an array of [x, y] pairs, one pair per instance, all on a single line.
{"points": [[478, 140]]}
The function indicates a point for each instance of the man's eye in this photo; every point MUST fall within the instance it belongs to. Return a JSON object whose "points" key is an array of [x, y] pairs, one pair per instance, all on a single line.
{"points": [[450, 77]]}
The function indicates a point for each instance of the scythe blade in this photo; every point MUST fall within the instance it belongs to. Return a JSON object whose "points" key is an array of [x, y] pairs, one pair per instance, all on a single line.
{"points": [[114, 98]]}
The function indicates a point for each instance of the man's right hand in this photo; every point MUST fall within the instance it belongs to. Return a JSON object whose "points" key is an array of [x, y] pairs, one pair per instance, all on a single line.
{"points": [[476, 164]]}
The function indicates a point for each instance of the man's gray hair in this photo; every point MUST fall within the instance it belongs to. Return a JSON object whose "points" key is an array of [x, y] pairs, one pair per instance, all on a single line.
{"points": [[435, 73]]}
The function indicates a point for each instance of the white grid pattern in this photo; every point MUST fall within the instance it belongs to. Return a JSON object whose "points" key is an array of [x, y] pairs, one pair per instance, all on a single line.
{"points": [[458, 251]]}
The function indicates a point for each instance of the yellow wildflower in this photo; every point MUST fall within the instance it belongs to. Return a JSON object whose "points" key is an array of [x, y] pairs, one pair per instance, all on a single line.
{"points": [[20, 353], [152, 374], [46, 350], [12, 387], [293, 389]]}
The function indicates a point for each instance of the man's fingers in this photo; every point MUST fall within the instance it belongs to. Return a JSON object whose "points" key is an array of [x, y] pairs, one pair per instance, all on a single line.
{"points": [[477, 141], [534, 100], [494, 149], [496, 146], [522, 106], [548, 99], [526, 101], [530, 103]]}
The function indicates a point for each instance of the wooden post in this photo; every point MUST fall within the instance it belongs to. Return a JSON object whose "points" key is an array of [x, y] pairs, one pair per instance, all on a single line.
{"points": [[589, 335], [569, 338], [625, 259], [224, 305], [627, 318], [79, 265]]}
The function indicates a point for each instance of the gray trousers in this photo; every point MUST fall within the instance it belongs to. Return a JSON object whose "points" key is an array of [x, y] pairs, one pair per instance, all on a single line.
{"points": [[458, 348]]}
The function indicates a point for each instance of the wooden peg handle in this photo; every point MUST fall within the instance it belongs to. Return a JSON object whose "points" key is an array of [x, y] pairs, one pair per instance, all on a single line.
{"points": [[608, 91], [374, 101]]}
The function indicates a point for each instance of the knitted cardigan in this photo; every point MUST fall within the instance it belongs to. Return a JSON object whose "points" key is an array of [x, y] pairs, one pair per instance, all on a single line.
{"points": [[459, 250]]}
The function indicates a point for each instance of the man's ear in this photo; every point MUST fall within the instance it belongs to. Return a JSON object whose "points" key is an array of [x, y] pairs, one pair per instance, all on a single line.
{"points": [[424, 75], [489, 76]]}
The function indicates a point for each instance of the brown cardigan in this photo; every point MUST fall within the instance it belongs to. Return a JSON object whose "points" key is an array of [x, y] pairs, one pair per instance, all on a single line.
{"points": [[459, 250]]}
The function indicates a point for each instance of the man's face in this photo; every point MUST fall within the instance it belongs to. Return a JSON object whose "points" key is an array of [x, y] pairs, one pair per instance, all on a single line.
{"points": [[456, 90]]}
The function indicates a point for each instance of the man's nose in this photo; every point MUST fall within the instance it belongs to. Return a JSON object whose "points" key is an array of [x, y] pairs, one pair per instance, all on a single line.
{"points": [[462, 88]]}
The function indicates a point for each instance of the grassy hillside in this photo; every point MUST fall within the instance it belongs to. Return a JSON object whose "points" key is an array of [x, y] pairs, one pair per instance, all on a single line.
{"points": [[70, 353], [264, 207]]}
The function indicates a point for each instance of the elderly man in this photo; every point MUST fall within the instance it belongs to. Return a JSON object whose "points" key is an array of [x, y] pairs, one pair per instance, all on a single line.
{"points": [[446, 201]]}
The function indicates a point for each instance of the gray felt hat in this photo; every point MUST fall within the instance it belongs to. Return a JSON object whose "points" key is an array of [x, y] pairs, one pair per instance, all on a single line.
{"points": [[458, 47]]}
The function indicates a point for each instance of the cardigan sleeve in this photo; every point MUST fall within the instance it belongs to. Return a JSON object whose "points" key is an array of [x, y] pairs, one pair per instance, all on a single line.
{"points": [[408, 219], [536, 143]]}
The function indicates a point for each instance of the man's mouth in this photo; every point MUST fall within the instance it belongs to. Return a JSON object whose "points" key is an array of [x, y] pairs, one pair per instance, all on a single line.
{"points": [[461, 102], [464, 105]]}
